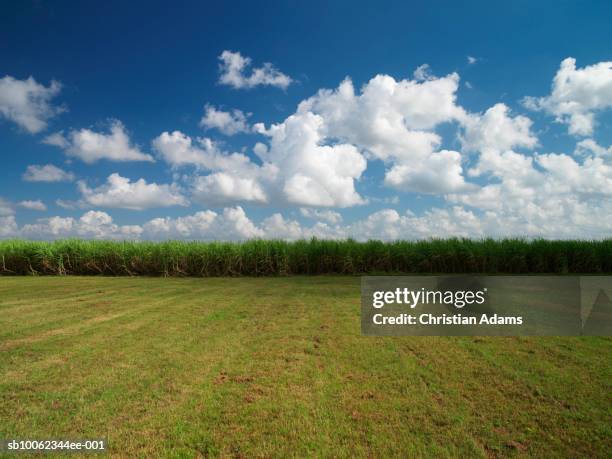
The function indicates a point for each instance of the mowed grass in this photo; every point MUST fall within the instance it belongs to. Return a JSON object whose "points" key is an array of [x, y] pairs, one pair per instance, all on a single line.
{"points": [[277, 367]]}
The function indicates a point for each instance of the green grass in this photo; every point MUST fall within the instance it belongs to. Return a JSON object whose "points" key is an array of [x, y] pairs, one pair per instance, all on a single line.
{"points": [[276, 367], [261, 257]]}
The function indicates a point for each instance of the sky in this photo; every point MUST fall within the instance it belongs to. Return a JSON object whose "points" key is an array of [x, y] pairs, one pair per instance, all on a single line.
{"points": [[371, 120]]}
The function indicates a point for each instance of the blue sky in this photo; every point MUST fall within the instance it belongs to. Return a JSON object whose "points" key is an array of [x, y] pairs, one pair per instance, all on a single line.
{"points": [[453, 149]]}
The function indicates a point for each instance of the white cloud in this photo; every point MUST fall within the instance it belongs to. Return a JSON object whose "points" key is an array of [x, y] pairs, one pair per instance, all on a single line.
{"points": [[234, 176], [423, 73], [388, 224], [386, 106], [178, 149], [69, 205], [233, 67], [589, 145], [195, 226], [277, 227], [57, 139], [317, 156], [393, 121], [232, 224], [507, 165], [46, 173], [8, 226], [228, 123], [310, 172], [496, 130], [438, 173], [385, 200], [593, 176], [91, 225], [328, 216], [5, 208], [90, 146], [28, 103], [296, 167], [223, 188], [550, 195], [577, 95], [494, 134], [472, 60], [564, 217], [33, 205], [119, 192]]}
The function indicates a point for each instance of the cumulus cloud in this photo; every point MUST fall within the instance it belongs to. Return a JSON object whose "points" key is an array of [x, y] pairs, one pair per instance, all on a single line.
{"points": [[223, 188], [317, 156], [586, 146], [472, 60], [577, 95], [231, 224], [233, 177], [437, 173], [549, 195], [565, 217], [312, 173], [277, 227], [6, 208], [228, 123], [233, 68], [120, 192], [497, 130], [387, 106], [8, 227], [28, 103], [393, 121], [388, 224], [592, 176], [296, 167], [33, 205], [494, 134], [328, 216], [178, 149], [423, 72], [46, 173], [91, 225], [90, 146]]}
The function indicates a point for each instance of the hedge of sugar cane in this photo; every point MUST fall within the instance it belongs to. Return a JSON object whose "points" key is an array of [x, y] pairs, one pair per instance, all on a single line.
{"points": [[275, 257]]}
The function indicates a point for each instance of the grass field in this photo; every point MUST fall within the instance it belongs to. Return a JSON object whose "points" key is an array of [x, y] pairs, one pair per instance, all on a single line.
{"points": [[276, 367]]}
